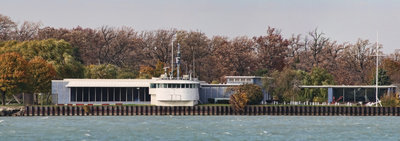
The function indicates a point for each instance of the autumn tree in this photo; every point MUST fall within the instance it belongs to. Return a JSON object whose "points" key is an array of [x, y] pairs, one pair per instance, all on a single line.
{"points": [[57, 52], [103, 71], [271, 50], [393, 69], [40, 75], [356, 61], [27, 31], [317, 43], [157, 45], [253, 93], [146, 72], [13, 74], [236, 57]]}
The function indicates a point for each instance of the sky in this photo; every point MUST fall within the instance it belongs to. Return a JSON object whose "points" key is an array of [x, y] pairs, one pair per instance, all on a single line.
{"points": [[340, 20]]}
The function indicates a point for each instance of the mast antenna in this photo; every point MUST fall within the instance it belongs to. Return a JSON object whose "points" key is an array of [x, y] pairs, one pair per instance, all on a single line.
{"points": [[377, 101]]}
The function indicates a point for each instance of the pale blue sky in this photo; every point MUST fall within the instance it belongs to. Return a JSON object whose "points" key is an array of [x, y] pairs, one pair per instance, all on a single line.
{"points": [[342, 20]]}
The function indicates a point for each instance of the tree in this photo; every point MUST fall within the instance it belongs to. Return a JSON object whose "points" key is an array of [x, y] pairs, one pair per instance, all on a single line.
{"points": [[40, 75], [318, 42], [13, 75], [356, 60], [27, 31], [156, 45], [393, 69], [284, 86], [383, 78], [103, 71], [159, 69], [195, 51], [146, 72], [57, 52], [253, 93], [271, 50], [7, 26], [318, 76]]}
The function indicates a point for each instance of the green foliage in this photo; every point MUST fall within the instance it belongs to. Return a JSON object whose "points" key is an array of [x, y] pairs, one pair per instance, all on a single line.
{"points": [[127, 74], [318, 76], [383, 78], [215, 82], [284, 86], [57, 52], [390, 100], [103, 71], [261, 72]]}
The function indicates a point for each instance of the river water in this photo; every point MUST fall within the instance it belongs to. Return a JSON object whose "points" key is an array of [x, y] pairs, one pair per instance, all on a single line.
{"points": [[187, 128]]}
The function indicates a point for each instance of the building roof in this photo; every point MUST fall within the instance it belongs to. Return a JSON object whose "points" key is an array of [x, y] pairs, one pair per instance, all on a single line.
{"points": [[243, 77], [219, 85], [347, 86], [176, 81], [108, 82]]}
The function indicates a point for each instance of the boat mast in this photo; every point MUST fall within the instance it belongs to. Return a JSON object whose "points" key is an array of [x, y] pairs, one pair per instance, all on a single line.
{"points": [[376, 72]]}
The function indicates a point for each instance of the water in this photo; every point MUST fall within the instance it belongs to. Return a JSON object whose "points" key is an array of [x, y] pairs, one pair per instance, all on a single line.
{"points": [[200, 128]]}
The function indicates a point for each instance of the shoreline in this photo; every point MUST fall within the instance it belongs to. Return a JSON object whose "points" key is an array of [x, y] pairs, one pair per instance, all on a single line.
{"points": [[122, 110]]}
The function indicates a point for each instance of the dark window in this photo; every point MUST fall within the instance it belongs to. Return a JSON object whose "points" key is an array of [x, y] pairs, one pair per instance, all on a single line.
{"points": [[104, 94], [79, 94], [117, 94], [169, 85], [187, 85], [85, 94], [92, 94], [123, 94], [141, 94], [98, 94], [178, 85], [73, 94], [136, 92], [147, 94], [152, 85], [130, 94], [110, 94]]}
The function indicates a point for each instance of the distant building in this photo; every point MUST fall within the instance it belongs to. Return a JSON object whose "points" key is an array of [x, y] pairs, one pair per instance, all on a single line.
{"points": [[353, 93], [156, 91]]}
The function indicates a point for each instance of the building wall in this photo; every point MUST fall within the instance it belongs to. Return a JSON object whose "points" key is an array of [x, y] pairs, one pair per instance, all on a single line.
{"points": [[60, 92]]}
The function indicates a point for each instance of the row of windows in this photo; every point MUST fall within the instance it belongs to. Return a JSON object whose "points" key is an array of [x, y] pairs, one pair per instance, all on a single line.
{"points": [[239, 80], [155, 85], [107, 94]]}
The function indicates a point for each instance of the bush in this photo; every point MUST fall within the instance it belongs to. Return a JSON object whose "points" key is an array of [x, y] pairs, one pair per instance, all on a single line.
{"points": [[238, 101], [245, 94], [253, 93], [390, 100]]}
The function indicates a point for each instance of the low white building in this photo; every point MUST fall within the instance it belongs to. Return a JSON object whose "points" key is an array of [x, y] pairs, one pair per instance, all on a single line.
{"points": [[156, 91]]}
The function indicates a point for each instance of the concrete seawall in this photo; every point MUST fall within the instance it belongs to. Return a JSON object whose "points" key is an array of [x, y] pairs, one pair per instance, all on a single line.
{"points": [[208, 111]]}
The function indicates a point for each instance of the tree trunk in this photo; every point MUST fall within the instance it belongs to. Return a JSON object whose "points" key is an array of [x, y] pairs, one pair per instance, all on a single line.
{"points": [[3, 93]]}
